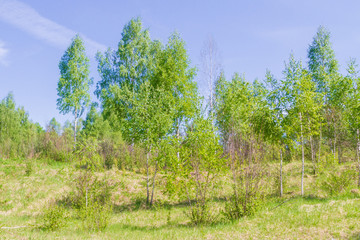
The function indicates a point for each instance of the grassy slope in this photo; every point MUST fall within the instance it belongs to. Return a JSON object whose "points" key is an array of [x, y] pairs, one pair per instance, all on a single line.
{"points": [[23, 197]]}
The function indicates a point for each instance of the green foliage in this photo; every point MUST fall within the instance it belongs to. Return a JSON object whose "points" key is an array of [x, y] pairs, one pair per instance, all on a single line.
{"points": [[55, 144], [131, 64], [201, 164], [28, 167], [96, 216], [95, 125], [146, 115], [88, 155], [322, 62], [174, 75], [150, 122], [352, 104], [92, 199], [201, 214], [336, 182], [234, 105], [74, 82], [243, 205], [18, 135], [248, 191], [53, 218], [86, 188]]}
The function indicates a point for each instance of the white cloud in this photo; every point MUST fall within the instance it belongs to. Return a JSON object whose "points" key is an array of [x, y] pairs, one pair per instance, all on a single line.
{"points": [[3, 54], [29, 20]]}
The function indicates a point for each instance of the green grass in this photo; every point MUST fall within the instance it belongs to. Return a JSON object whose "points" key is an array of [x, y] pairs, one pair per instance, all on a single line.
{"points": [[23, 198]]}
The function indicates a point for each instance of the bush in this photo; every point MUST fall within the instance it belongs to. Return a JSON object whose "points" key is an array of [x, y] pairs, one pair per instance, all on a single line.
{"points": [[95, 216], [242, 205], [201, 214], [86, 188], [53, 217], [201, 165], [28, 167], [92, 198], [248, 193], [335, 182], [88, 155]]}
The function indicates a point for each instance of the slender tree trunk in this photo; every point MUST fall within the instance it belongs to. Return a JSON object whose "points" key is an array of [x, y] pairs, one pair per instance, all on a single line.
{"points": [[273, 152], [75, 129], [250, 153], [233, 160], [153, 187], [178, 138], [357, 150], [334, 143], [339, 153], [312, 154], [147, 176], [320, 139], [302, 157], [281, 175]]}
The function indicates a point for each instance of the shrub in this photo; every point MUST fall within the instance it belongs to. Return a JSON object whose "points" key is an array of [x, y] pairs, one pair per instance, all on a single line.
{"points": [[200, 167], [88, 155], [95, 216], [53, 217], [201, 214], [86, 188], [28, 167], [242, 205], [335, 182], [248, 193], [92, 199]]}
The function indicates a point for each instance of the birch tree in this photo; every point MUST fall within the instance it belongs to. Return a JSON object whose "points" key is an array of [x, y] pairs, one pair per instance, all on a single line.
{"points": [[353, 108], [323, 68], [74, 82], [210, 62], [302, 108]]}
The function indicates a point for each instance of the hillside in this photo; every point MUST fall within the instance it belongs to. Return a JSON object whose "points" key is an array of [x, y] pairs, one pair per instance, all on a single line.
{"points": [[28, 189]]}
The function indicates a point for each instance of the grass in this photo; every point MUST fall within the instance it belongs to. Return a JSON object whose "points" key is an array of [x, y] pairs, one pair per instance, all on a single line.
{"points": [[24, 196]]}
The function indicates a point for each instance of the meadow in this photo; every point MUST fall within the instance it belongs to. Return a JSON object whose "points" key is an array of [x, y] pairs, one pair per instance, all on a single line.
{"points": [[25, 195]]}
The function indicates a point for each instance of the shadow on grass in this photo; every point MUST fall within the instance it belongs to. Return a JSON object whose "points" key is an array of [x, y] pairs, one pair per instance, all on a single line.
{"points": [[355, 236], [188, 225], [314, 199], [140, 204]]}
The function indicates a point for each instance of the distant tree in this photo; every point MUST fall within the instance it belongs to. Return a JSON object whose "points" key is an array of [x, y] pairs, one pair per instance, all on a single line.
{"points": [[323, 68], [18, 135], [74, 82], [322, 63], [272, 114], [94, 125], [210, 66], [353, 108], [54, 126]]}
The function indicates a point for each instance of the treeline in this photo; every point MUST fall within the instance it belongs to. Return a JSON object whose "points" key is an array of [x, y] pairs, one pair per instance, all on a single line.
{"points": [[153, 118]]}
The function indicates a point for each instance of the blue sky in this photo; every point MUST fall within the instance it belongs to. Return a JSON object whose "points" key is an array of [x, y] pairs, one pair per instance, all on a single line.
{"points": [[251, 36]]}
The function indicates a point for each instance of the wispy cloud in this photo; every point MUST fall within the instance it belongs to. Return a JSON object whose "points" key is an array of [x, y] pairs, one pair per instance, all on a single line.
{"points": [[3, 54], [29, 20]]}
